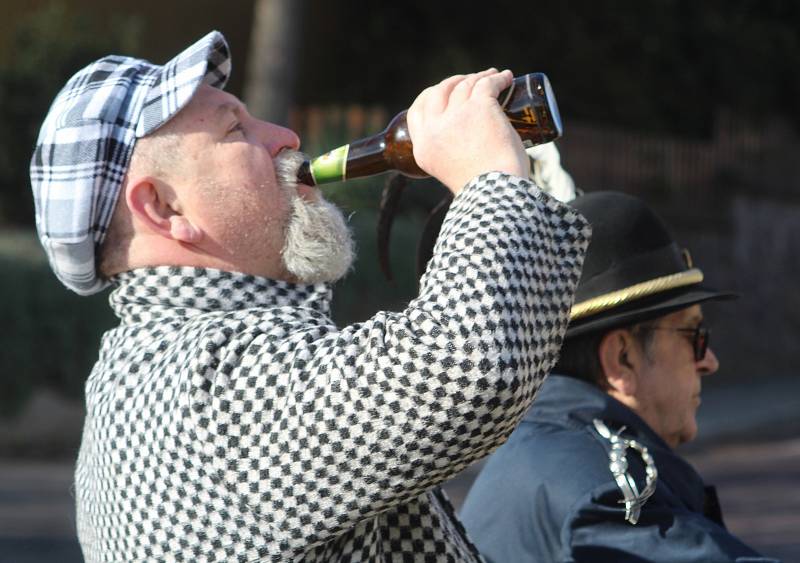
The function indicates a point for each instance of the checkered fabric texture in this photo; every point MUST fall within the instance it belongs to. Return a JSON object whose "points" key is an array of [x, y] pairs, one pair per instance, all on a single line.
{"points": [[228, 419], [86, 142]]}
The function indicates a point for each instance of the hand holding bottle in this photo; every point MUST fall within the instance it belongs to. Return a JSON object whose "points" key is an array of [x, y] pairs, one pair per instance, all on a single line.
{"points": [[459, 130], [528, 104]]}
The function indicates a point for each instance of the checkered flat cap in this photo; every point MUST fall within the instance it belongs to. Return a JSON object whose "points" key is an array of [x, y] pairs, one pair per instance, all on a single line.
{"points": [[86, 141]]}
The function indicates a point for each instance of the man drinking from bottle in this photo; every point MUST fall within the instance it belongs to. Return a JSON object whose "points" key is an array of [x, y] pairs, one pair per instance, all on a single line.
{"points": [[228, 418]]}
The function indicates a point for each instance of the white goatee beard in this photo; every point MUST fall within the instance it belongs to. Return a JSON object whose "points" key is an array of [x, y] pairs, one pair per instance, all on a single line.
{"points": [[318, 246]]}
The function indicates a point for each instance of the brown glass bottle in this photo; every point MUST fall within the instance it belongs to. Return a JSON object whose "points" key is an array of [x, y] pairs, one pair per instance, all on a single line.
{"points": [[529, 104]]}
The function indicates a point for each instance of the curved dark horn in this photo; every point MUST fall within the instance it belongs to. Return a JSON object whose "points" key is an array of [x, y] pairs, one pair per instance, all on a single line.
{"points": [[390, 201], [430, 233]]}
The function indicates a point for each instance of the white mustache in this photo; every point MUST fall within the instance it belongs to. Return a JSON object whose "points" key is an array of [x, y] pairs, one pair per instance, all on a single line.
{"points": [[287, 163]]}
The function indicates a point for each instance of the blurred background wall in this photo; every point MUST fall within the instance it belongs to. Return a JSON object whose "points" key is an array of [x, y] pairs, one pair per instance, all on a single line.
{"points": [[694, 106]]}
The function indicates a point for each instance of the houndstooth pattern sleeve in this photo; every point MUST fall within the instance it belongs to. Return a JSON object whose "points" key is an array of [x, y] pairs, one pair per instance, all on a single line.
{"points": [[316, 429]]}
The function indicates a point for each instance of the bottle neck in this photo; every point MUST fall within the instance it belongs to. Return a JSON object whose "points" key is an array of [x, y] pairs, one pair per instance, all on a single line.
{"points": [[363, 157], [390, 149], [367, 157]]}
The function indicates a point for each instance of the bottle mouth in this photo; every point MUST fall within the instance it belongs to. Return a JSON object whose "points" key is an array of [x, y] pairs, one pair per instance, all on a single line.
{"points": [[552, 104], [305, 175]]}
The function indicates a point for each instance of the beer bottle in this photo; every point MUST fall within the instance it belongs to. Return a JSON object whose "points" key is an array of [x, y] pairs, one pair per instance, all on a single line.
{"points": [[529, 104]]}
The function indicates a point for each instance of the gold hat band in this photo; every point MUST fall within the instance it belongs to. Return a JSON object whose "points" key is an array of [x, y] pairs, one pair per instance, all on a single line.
{"points": [[650, 287]]}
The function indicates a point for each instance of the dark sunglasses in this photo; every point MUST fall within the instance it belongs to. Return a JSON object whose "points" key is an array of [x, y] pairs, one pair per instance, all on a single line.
{"points": [[700, 337]]}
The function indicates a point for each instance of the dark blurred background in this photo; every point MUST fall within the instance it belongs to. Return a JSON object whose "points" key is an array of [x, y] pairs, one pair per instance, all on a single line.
{"points": [[694, 106]]}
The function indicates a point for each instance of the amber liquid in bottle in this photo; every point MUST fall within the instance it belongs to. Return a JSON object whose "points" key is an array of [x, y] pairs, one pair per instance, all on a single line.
{"points": [[529, 104]]}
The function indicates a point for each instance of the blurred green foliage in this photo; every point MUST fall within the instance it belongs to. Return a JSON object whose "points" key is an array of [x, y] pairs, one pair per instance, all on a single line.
{"points": [[49, 335], [366, 290], [49, 46]]}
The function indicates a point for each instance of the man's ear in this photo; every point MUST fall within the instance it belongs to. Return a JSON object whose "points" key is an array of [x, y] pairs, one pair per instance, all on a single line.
{"points": [[619, 357], [151, 203]]}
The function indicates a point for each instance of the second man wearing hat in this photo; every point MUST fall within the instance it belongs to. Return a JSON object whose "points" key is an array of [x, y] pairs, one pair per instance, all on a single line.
{"points": [[590, 474]]}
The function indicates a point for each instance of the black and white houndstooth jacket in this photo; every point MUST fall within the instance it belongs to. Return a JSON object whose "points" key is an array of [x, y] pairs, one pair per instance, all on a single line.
{"points": [[228, 419]]}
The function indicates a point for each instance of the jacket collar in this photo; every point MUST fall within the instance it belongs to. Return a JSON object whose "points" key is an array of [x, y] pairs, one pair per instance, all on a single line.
{"points": [[207, 289], [576, 403]]}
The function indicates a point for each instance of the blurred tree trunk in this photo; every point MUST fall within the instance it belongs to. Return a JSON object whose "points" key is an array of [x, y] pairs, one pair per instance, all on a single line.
{"points": [[269, 82]]}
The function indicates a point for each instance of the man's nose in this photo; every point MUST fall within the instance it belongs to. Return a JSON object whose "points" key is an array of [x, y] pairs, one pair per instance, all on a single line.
{"points": [[277, 138], [287, 138], [709, 364]]}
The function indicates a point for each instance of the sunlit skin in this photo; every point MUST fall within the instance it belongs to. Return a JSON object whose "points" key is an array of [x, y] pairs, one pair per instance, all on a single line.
{"points": [[662, 384], [220, 204]]}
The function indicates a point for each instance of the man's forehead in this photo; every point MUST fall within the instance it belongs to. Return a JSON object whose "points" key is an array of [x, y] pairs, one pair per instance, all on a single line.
{"points": [[208, 98], [208, 106]]}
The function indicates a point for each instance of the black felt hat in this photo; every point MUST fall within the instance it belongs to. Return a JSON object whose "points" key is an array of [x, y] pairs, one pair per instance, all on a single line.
{"points": [[634, 270]]}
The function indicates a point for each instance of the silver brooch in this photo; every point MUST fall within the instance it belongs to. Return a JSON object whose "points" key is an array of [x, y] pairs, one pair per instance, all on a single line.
{"points": [[632, 498]]}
